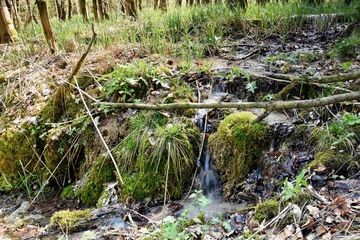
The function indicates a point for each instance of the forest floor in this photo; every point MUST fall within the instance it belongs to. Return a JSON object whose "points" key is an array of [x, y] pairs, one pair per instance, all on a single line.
{"points": [[331, 213]]}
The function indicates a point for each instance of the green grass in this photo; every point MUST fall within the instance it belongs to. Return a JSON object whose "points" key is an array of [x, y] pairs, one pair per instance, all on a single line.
{"points": [[181, 32]]}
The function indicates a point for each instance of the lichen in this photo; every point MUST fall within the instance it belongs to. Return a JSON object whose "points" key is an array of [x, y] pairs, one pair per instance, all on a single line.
{"points": [[236, 145], [67, 219]]}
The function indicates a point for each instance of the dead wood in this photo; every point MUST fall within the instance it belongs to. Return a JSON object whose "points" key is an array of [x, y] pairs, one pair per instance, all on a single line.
{"points": [[342, 77], [273, 105]]}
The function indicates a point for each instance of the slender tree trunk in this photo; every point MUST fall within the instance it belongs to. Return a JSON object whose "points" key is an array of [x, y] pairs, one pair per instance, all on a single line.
{"points": [[102, 10], [69, 9], [163, 5], [241, 3], [7, 30], [130, 8], [44, 17], [15, 11], [95, 10], [31, 16], [156, 4], [83, 10]]}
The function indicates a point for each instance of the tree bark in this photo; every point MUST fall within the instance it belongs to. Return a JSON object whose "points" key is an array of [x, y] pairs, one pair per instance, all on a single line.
{"points": [[44, 17], [7, 30]]}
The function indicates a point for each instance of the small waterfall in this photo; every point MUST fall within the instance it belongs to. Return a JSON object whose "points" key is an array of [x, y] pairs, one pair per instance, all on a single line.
{"points": [[209, 179]]}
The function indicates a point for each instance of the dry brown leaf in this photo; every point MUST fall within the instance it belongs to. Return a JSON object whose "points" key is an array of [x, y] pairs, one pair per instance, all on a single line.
{"points": [[252, 223], [321, 229], [309, 224], [314, 211], [340, 206], [320, 169], [287, 232]]}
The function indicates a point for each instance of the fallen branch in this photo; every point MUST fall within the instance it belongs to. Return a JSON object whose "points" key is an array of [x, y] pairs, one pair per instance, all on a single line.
{"points": [[342, 77], [273, 105]]}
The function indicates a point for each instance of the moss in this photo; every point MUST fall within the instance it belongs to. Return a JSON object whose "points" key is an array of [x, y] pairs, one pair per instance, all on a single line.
{"points": [[55, 107], [68, 192], [61, 105], [16, 150], [67, 219], [144, 155], [102, 171], [83, 81], [236, 145], [336, 135], [342, 163], [266, 210]]}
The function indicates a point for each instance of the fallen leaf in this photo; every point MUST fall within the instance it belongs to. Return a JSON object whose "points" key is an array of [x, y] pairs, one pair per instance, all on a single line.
{"points": [[340, 206], [321, 229], [314, 211], [309, 224], [320, 169], [287, 232]]}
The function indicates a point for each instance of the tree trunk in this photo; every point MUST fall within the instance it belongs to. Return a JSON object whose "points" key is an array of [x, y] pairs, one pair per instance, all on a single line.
{"points": [[83, 10], [102, 10], [15, 12], [95, 10], [31, 16], [156, 4], [44, 17], [69, 9], [7, 29], [163, 5], [238, 3], [130, 8]]}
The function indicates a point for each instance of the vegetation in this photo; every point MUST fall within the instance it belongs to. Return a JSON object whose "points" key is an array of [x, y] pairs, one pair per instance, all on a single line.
{"points": [[236, 145], [154, 57], [157, 147], [67, 219]]}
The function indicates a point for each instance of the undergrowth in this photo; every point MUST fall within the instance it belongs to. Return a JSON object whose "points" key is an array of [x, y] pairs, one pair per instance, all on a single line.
{"points": [[180, 32]]}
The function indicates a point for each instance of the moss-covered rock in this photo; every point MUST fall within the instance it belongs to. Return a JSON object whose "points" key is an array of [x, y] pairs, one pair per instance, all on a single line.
{"points": [[102, 171], [67, 219], [156, 147], [267, 210], [342, 163], [61, 105], [17, 154], [236, 145]]}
